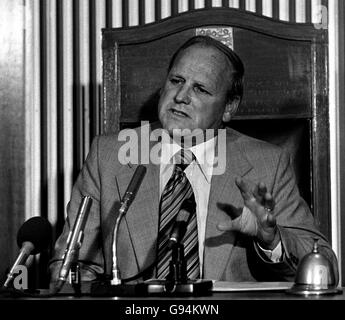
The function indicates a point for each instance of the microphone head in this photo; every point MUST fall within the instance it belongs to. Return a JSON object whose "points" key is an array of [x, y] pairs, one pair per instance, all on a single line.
{"points": [[189, 205], [136, 180], [184, 215], [36, 230]]}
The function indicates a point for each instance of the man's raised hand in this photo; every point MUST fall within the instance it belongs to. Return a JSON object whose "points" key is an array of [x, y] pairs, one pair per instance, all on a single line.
{"points": [[257, 219]]}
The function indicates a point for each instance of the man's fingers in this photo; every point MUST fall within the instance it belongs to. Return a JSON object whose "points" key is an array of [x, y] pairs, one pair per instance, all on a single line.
{"points": [[246, 223], [257, 209], [262, 214], [232, 224], [247, 194], [259, 194], [262, 190], [269, 202], [230, 210], [260, 203]]}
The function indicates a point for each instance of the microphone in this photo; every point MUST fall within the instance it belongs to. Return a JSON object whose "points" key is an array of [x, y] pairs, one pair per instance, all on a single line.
{"points": [[126, 201], [180, 226], [114, 287], [132, 189], [34, 236], [74, 242]]}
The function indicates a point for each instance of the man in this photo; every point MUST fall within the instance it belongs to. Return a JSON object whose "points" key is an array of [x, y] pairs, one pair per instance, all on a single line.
{"points": [[252, 224]]}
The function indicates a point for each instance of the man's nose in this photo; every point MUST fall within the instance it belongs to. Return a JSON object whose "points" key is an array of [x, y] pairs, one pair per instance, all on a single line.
{"points": [[183, 95]]}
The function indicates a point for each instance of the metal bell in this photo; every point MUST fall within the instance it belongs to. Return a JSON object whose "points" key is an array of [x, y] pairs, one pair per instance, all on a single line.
{"points": [[315, 275]]}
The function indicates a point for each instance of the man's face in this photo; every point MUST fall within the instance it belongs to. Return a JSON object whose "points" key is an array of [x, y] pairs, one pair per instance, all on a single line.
{"points": [[195, 92]]}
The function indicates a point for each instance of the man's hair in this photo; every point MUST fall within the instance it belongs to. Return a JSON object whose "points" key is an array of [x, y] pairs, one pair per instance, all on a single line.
{"points": [[236, 89]]}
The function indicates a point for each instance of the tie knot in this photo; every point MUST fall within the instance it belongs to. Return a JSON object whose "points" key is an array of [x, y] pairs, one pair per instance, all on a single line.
{"points": [[184, 158]]}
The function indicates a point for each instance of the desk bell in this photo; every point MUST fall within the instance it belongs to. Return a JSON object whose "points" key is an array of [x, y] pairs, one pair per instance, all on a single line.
{"points": [[315, 275]]}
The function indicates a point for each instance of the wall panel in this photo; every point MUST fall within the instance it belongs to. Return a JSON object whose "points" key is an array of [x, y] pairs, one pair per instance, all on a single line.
{"points": [[12, 130]]}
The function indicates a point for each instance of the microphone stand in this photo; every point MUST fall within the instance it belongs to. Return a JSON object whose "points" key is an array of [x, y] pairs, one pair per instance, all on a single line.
{"points": [[177, 282], [70, 266], [75, 278], [177, 266], [116, 286]]}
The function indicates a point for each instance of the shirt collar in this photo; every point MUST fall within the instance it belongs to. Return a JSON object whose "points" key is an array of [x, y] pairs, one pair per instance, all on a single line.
{"points": [[203, 152]]}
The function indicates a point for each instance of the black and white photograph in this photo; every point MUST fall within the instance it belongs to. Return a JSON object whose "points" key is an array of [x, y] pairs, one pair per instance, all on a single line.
{"points": [[172, 158]]}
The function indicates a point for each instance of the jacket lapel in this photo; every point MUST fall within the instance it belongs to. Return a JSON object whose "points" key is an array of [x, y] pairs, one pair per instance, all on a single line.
{"points": [[219, 244]]}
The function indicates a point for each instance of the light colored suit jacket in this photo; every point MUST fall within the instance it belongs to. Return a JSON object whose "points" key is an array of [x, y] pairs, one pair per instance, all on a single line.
{"points": [[228, 255]]}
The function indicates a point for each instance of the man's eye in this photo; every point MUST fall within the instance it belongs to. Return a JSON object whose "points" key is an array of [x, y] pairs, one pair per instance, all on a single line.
{"points": [[175, 80], [201, 90]]}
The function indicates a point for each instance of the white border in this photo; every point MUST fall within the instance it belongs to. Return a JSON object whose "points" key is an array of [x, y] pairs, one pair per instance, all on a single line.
{"points": [[334, 105]]}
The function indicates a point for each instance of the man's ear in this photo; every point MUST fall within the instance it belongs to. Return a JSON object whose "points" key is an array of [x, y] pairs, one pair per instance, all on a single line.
{"points": [[230, 109]]}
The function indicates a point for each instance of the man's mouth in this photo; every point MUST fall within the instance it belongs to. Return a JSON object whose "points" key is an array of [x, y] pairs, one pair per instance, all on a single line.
{"points": [[179, 113]]}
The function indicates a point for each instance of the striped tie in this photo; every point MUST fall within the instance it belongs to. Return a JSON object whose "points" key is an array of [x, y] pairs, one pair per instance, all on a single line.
{"points": [[177, 189]]}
